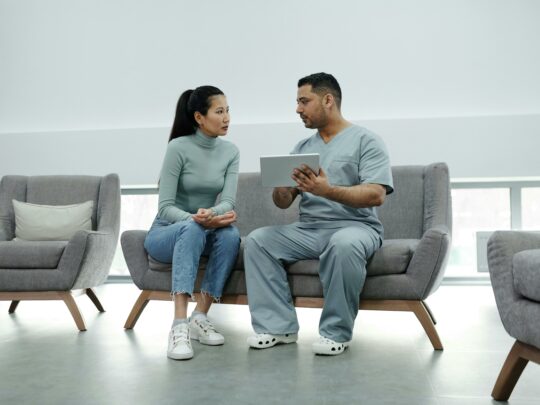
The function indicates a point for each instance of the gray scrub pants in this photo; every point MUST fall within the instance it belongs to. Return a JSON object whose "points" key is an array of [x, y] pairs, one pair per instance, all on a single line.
{"points": [[342, 252]]}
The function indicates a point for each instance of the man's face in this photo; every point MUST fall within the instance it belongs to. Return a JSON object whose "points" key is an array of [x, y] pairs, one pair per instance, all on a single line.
{"points": [[309, 106]]}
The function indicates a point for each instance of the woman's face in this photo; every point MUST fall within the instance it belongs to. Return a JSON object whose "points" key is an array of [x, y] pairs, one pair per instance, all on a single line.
{"points": [[216, 120]]}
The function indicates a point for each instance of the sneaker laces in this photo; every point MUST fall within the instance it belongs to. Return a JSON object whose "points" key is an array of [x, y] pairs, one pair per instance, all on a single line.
{"points": [[180, 334], [206, 325]]}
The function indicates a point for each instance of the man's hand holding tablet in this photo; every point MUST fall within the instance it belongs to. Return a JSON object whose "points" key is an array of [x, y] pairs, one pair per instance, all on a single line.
{"points": [[309, 181]]}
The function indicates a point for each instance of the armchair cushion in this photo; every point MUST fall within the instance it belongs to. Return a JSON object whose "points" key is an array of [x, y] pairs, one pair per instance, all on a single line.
{"points": [[31, 254], [35, 222], [526, 271]]}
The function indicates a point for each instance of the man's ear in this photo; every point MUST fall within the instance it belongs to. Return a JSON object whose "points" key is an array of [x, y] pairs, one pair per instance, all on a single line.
{"points": [[328, 100]]}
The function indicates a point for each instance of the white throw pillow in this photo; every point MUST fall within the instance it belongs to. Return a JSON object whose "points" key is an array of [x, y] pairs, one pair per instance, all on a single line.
{"points": [[51, 222]]}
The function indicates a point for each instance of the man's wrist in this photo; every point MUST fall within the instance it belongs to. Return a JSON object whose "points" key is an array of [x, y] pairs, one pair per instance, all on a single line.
{"points": [[329, 192]]}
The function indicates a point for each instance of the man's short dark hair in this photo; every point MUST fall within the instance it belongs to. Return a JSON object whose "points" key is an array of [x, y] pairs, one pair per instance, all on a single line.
{"points": [[322, 83]]}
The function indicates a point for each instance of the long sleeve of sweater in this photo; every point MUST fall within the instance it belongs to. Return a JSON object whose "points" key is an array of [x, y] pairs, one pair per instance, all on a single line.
{"points": [[227, 200]]}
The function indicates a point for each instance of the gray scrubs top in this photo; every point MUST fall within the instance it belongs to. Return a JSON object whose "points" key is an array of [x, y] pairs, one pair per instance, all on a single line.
{"points": [[354, 156]]}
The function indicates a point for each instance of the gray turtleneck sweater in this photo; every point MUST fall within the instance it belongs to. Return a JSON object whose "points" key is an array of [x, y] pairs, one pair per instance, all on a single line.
{"points": [[195, 170]]}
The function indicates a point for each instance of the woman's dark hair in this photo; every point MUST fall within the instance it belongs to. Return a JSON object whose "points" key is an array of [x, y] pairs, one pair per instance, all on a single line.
{"points": [[189, 103]]}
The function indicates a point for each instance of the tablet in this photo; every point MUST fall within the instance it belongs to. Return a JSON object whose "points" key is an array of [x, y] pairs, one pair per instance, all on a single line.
{"points": [[276, 170]]}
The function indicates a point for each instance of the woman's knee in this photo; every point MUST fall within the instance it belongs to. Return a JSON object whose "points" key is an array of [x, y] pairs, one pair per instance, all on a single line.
{"points": [[229, 235], [188, 228], [228, 232]]}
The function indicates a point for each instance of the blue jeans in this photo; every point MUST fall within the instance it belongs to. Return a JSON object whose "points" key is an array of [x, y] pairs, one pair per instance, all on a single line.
{"points": [[183, 243]]}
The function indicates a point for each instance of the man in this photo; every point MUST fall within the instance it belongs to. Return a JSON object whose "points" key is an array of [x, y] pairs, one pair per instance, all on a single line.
{"points": [[338, 224]]}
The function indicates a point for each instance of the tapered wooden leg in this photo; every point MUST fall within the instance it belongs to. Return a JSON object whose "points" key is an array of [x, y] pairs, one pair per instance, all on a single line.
{"points": [[73, 308], [92, 295], [515, 363], [137, 309], [13, 306], [428, 309], [426, 320]]}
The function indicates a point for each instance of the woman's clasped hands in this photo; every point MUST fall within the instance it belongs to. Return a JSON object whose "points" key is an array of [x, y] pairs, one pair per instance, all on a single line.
{"points": [[207, 218]]}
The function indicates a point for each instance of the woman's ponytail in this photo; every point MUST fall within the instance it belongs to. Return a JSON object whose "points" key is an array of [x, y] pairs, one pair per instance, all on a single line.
{"points": [[184, 123]]}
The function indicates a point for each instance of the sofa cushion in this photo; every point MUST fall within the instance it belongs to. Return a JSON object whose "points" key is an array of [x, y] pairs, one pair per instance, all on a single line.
{"points": [[31, 255], [526, 271], [392, 258], [156, 265], [51, 222]]}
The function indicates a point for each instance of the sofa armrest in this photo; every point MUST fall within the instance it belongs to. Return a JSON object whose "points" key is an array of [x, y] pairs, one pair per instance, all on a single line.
{"points": [[427, 264], [519, 315], [135, 255], [87, 258], [526, 274], [109, 204], [501, 248]]}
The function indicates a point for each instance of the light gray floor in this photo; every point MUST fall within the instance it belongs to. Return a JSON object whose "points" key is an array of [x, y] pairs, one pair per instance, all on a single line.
{"points": [[45, 360]]}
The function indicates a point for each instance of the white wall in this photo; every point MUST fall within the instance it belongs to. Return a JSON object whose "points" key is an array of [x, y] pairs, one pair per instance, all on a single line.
{"points": [[437, 79]]}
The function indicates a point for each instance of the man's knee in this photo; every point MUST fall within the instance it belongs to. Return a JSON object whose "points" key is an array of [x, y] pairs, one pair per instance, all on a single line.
{"points": [[257, 237], [345, 247]]}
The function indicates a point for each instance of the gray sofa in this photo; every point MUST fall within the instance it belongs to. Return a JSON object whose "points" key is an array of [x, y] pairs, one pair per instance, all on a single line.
{"points": [[58, 270], [400, 276], [514, 267]]}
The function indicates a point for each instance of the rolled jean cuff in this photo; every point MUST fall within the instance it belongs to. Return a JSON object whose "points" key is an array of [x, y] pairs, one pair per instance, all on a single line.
{"points": [[215, 298], [175, 293]]}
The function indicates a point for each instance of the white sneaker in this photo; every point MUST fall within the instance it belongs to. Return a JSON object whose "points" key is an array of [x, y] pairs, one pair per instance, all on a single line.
{"points": [[203, 331], [179, 343], [329, 347], [266, 340]]}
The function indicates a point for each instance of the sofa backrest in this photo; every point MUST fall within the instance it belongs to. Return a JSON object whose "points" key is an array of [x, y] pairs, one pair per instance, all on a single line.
{"points": [[255, 207], [421, 199], [402, 213]]}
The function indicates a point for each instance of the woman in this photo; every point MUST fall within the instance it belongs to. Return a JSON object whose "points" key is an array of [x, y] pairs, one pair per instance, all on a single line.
{"points": [[197, 167]]}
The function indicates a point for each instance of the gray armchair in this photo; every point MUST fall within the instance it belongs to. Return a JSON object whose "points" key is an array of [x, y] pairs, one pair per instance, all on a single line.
{"points": [[514, 267], [407, 269], [58, 270]]}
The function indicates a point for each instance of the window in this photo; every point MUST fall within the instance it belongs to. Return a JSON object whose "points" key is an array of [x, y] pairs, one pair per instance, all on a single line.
{"points": [[474, 210], [137, 212], [530, 208]]}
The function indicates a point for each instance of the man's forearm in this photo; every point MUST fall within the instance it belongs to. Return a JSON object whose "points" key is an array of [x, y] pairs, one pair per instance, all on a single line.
{"points": [[360, 196], [284, 196]]}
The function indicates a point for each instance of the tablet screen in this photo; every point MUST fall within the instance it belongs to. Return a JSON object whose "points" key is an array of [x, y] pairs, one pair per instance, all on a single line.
{"points": [[276, 170]]}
